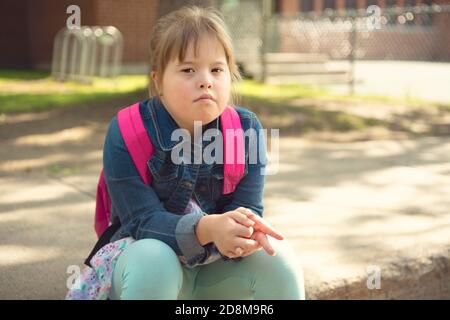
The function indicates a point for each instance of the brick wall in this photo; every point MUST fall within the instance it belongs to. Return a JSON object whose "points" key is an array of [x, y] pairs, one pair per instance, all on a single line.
{"points": [[29, 27], [428, 45], [46, 18], [293, 6], [392, 43], [289, 6], [14, 35], [135, 19]]}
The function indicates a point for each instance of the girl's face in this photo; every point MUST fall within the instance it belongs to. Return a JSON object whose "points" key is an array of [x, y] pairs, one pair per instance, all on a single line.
{"points": [[184, 82]]}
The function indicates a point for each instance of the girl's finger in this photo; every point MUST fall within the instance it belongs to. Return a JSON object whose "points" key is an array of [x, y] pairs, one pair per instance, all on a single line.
{"points": [[242, 219], [261, 224], [242, 231], [269, 230], [264, 241], [245, 211], [246, 244], [251, 251]]}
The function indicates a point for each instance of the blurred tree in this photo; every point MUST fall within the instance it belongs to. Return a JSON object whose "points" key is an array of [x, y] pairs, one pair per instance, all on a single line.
{"points": [[168, 6]]}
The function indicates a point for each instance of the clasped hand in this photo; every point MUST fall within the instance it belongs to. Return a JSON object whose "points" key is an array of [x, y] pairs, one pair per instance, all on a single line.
{"points": [[241, 232]]}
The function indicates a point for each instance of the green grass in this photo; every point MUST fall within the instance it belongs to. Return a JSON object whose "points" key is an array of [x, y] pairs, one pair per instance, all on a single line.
{"points": [[288, 107], [21, 75], [61, 170], [280, 94], [250, 88], [25, 91], [280, 101], [30, 91]]}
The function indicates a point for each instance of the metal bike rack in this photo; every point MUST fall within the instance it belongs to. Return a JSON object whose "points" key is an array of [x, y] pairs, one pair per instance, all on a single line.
{"points": [[81, 54]]}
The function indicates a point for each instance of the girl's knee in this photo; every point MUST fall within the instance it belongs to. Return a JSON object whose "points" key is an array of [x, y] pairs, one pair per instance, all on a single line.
{"points": [[148, 269], [282, 273], [152, 250], [154, 256], [286, 260]]}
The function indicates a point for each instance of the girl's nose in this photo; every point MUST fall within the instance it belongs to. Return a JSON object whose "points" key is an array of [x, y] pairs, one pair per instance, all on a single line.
{"points": [[205, 81], [205, 84]]}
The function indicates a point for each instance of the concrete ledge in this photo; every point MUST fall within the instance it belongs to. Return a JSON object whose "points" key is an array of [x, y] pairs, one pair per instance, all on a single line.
{"points": [[426, 277]]}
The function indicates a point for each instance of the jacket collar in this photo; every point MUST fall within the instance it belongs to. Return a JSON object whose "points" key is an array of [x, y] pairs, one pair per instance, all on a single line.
{"points": [[164, 124]]}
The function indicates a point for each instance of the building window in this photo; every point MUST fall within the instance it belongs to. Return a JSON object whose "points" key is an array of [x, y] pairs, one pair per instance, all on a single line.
{"points": [[306, 5], [350, 4], [328, 4], [391, 3], [371, 3], [276, 6]]}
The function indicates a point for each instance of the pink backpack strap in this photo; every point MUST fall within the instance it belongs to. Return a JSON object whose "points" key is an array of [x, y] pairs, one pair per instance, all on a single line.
{"points": [[102, 206], [140, 149], [233, 169], [136, 139]]}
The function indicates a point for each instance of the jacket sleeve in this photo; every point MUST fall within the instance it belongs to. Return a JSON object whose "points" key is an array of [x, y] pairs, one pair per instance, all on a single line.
{"points": [[139, 209]]}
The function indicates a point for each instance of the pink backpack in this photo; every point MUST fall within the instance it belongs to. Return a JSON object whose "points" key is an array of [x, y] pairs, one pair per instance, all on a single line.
{"points": [[140, 148]]}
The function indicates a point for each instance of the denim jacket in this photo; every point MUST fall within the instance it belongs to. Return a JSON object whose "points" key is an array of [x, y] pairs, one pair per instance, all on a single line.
{"points": [[156, 211]]}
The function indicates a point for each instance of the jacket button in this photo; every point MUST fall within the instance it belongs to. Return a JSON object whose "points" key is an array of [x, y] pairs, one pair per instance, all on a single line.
{"points": [[187, 184]]}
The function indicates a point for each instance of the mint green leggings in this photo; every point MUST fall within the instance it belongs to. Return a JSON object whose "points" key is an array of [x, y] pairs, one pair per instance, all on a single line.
{"points": [[150, 269]]}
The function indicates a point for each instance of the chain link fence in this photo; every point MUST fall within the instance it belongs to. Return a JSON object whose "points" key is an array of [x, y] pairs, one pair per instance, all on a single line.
{"points": [[323, 47]]}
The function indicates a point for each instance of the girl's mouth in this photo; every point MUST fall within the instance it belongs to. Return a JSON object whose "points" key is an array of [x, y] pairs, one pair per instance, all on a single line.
{"points": [[205, 97]]}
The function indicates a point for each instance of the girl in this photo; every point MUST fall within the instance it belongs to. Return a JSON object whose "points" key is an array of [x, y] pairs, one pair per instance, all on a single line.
{"points": [[181, 237]]}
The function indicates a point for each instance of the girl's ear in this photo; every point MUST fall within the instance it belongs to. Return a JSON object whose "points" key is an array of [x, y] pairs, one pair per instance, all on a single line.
{"points": [[154, 76]]}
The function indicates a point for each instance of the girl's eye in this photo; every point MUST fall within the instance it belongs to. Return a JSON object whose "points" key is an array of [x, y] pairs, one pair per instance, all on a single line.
{"points": [[187, 70]]}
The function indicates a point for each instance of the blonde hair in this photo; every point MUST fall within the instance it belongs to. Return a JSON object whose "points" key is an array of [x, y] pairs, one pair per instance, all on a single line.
{"points": [[173, 33]]}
